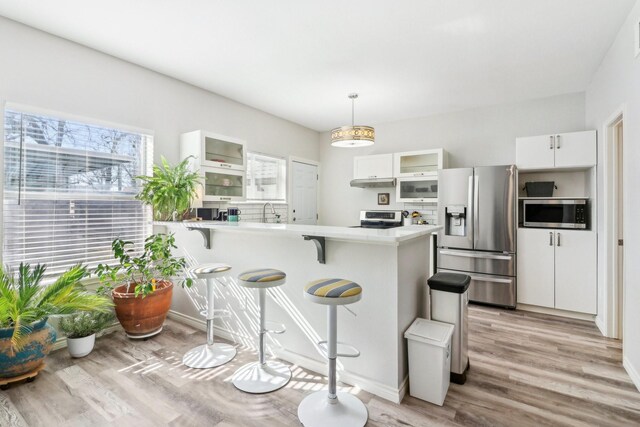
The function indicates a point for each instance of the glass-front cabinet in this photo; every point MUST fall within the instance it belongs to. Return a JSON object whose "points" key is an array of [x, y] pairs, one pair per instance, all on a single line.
{"points": [[213, 150], [220, 185], [419, 163], [417, 190], [221, 162]]}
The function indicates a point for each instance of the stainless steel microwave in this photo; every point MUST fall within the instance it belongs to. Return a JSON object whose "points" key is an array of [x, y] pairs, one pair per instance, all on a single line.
{"points": [[556, 213]]}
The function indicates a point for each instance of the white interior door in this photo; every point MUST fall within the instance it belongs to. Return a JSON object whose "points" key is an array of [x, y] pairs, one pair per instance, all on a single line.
{"points": [[304, 193], [620, 234]]}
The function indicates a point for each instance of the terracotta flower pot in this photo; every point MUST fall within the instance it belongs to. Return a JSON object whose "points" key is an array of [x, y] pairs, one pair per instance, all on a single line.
{"points": [[38, 345], [142, 317]]}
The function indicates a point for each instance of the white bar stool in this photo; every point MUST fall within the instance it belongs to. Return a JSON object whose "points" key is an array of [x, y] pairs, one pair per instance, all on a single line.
{"points": [[262, 376], [333, 408], [211, 354]]}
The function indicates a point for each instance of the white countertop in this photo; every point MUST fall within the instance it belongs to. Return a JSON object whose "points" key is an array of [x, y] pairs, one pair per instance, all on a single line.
{"points": [[391, 235]]}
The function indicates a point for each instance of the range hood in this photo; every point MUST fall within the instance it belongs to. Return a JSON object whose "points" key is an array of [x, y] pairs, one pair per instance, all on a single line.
{"points": [[374, 183]]}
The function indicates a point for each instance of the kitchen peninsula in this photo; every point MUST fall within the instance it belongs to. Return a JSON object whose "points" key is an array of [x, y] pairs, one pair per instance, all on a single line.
{"points": [[391, 265]]}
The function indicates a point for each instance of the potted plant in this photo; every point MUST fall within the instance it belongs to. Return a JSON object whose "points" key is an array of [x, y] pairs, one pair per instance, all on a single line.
{"points": [[170, 190], [81, 329], [141, 286], [25, 305]]}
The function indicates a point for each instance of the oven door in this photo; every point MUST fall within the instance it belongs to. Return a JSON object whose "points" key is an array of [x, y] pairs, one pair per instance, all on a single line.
{"points": [[555, 213]]}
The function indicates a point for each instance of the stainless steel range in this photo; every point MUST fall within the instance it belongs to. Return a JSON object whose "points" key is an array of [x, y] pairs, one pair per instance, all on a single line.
{"points": [[380, 219], [477, 207]]}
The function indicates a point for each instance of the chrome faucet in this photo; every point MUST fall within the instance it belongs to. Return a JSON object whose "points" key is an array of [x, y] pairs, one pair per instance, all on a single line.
{"points": [[264, 211]]}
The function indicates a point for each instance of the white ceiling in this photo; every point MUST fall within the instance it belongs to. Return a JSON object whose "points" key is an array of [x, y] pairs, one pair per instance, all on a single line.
{"points": [[298, 59]]}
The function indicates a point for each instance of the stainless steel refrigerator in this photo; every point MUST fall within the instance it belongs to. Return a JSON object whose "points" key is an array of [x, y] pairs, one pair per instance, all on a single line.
{"points": [[477, 207]]}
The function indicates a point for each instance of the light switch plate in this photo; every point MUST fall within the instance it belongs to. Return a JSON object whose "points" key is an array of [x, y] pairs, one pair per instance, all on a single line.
{"points": [[637, 38]]}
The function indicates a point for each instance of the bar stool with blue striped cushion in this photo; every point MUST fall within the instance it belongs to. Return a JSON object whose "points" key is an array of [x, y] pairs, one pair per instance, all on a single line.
{"points": [[333, 408], [262, 376]]}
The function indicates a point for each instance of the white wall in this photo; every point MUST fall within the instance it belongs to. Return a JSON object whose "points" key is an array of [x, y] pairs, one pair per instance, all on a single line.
{"points": [[617, 83], [48, 72], [478, 137]]}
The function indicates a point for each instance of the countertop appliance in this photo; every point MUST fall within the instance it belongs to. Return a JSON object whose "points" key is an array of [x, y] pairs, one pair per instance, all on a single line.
{"points": [[477, 207], [380, 219], [555, 213]]}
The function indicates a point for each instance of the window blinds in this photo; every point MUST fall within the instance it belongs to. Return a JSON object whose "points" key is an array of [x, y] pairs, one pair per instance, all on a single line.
{"points": [[266, 177], [69, 190]]}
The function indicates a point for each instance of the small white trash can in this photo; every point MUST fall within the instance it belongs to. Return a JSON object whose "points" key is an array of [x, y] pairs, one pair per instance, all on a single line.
{"points": [[429, 345]]}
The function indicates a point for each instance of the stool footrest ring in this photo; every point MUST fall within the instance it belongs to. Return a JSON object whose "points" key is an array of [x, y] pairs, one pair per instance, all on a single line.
{"points": [[275, 327], [217, 313], [343, 350]]}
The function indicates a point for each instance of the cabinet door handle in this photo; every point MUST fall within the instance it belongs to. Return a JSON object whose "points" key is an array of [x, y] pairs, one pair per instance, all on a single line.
{"points": [[557, 239], [550, 142], [557, 142], [550, 238]]}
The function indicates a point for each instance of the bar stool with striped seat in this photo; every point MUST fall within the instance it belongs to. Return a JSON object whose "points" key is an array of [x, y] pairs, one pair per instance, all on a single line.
{"points": [[262, 376], [211, 354], [333, 408]]}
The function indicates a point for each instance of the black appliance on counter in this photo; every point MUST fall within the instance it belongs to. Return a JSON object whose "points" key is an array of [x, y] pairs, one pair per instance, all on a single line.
{"points": [[380, 219]]}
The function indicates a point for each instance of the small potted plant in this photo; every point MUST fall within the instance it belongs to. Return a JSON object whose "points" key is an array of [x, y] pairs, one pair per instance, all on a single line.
{"points": [[141, 286], [170, 190], [25, 305], [81, 329]]}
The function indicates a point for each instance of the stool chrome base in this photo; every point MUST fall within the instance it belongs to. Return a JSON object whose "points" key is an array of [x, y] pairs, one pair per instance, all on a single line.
{"points": [[316, 410], [257, 378], [209, 356]]}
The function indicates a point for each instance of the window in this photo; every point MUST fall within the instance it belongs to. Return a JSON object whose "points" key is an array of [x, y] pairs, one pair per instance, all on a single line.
{"points": [[266, 178], [69, 190]]}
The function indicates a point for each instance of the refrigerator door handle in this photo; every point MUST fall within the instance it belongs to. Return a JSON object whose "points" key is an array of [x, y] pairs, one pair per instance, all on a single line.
{"points": [[476, 255], [476, 209], [490, 279], [471, 232]]}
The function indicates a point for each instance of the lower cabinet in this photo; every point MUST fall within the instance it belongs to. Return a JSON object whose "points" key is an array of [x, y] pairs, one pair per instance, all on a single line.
{"points": [[557, 269]]}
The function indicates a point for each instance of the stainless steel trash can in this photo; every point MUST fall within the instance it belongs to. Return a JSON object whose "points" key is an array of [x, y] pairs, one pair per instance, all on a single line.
{"points": [[449, 304]]}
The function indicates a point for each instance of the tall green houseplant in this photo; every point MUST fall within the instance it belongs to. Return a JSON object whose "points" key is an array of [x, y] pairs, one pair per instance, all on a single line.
{"points": [[170, 190]]}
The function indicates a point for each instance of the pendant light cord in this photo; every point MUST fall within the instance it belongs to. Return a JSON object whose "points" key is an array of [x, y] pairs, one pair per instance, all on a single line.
{"points": [[353, 109]]}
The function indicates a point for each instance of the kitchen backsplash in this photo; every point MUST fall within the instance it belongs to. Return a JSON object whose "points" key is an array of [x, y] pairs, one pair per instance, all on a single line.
{"points": [[252, 212], [429, 211]]}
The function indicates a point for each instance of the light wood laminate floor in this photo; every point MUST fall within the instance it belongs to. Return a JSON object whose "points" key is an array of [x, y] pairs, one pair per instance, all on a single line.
{"points": [[527, 369]]}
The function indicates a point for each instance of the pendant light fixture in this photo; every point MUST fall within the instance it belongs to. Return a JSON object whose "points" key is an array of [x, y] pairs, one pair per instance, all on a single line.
{"points": [[352, 136]]}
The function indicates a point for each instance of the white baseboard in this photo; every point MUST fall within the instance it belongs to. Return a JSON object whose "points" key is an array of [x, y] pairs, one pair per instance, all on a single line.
{"points": [[382, 390], [556, 312], [601, 326], [633, 373]]}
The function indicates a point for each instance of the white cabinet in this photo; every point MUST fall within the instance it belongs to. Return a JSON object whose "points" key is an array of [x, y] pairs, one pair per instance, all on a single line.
{"points": [[376, 166], [419, 163], [417, 190], [576, 284], [562, 150], [213, 150], [536, 253], [557, 269], [221, 162]]}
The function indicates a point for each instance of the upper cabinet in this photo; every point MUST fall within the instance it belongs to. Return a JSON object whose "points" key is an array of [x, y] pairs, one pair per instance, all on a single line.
{"points": [[562, 150], [214, 150], [419, 163], [376, 166], [221, 163]]}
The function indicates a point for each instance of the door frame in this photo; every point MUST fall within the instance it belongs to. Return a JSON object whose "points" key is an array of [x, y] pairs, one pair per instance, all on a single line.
{"points": [[607, 321], [290, 162]]}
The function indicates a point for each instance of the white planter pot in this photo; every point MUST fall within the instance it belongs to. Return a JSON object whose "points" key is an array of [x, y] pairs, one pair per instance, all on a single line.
{"points": [[80, 347]]}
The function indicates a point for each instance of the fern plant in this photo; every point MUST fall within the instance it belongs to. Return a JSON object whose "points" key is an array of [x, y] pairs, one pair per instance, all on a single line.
{"points": [[24, 300], [170, 190]]}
